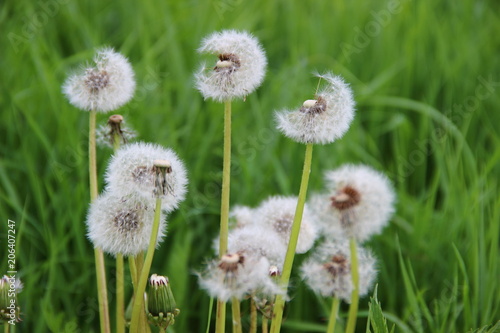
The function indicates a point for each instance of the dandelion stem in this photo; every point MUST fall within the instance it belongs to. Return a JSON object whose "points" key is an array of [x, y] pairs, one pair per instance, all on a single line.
{"points": [[279, 303], [235, 306], [253, 316], [133, 271], [120, 297], [144, 273], [98, 254], [220, 321], [333, 315], [265, 323], [353, 308]]}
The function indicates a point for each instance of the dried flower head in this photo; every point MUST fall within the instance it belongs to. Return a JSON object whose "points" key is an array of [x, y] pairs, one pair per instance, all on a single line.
{"points": [[323, 119], [240, 67], [114, 128], [122, 223], [104, 87], [277, 214], [237, 275], [328, 271], [359, 202], [133, 167]]}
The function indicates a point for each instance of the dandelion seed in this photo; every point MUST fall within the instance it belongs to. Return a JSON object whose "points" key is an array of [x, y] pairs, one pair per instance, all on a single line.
{"points": [[323, 119], [122, 223], [236, 276], [242, 216], [240, 67], [359, 203], [277, 213], [133, 167], [115, 127], [102, 88], [328, 271]]}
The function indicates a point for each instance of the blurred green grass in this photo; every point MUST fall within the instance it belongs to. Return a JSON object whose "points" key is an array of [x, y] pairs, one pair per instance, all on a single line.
{"points": [[424, 117]]}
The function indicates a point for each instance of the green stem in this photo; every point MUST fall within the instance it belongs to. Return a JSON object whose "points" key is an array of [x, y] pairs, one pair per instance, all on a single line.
{"points": [[6, 327], [120, 297], [102, 292], [353, 308], [333, 315], [220, 321], [253, 316], [235, 305], [279, 304], [133, 271], [265, 323], [141, 285]]}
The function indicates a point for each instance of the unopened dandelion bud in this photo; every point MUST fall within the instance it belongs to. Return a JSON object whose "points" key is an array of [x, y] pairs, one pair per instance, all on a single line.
{"points": [[102, 88], [240, 67], [10, 312], [162, 308], [274, 271]]}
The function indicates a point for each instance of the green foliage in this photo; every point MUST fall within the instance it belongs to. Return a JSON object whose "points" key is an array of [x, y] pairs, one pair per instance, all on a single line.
{"points": [[426, 83]]}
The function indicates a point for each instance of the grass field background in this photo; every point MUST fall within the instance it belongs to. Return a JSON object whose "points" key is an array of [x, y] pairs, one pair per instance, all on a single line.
{"points": [[426, 78]]}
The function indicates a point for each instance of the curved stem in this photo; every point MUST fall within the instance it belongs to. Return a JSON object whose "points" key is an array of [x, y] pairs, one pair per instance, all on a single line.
{"points": [[279, 303], [353, 308], [102, 292], [236, 307], [220, 321], [141, 284], [333, 315]]}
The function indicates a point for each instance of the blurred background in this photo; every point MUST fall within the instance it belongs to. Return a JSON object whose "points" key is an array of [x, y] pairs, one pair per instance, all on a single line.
{"points": [[426, 79]]}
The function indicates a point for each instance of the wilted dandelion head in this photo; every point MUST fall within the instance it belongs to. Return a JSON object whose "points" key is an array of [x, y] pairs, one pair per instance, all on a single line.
{"points": [[277, 213], [239, 69], [237, 275], [103, 87], [122, 224], [114, 128], [323, 119], [328, 271], [135, 166], [359, 202]]}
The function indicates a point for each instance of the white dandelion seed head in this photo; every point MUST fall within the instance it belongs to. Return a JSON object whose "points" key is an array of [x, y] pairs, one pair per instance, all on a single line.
{"points": [[277, 214], [133, 167], [7, 283], [257, 241], [105, 134], [323, 119], [359, 202], [104, 87], [239, 70], [238, 275], [328, 271], [122, 224], [242, 216]]}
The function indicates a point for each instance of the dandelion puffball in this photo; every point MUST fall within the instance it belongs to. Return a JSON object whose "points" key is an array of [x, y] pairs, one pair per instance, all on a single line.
{"points": [[122, 224], [328, 271], [323, 119], [359, 202], [239, 70], [104, 87], [133, 168]]}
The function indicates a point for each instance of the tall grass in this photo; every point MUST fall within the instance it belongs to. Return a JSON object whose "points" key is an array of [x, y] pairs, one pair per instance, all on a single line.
{"points": [[438, 260]]}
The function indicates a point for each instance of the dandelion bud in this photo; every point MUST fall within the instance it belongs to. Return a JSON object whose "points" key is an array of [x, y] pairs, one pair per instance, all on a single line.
{"points": [[133, 167], [277, 213], [240, 67], [359, 203], [122, 224], [321, 120], [9, 309], [102, 88], [115, 129], [328, 271], [162, 308]]}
